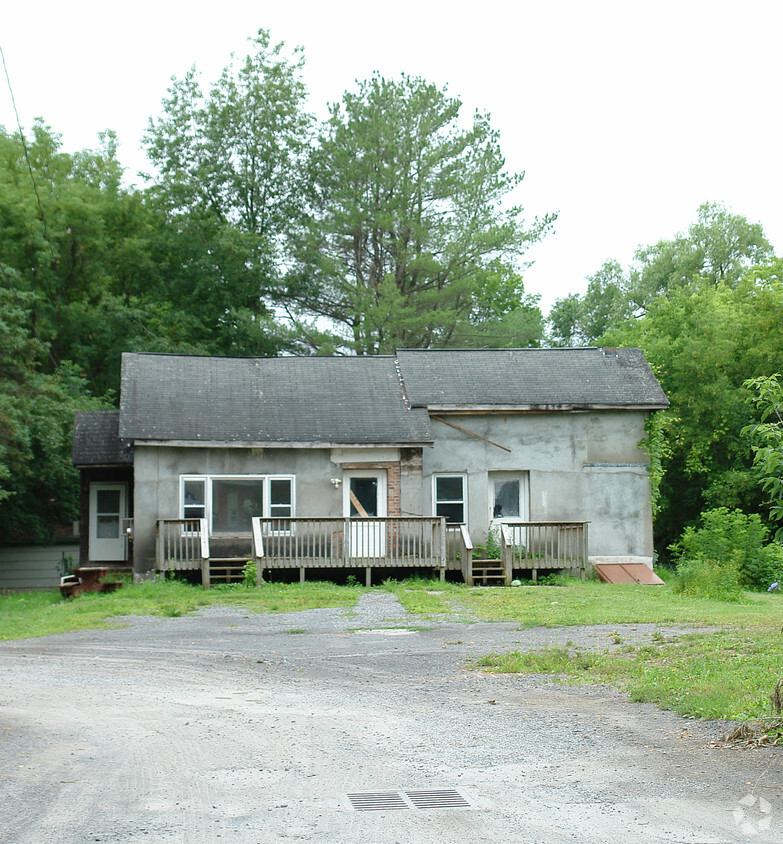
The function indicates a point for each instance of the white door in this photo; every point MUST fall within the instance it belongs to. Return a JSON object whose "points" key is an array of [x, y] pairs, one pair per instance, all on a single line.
{"points": [[108, 506], [509, 499], [364, 497]]}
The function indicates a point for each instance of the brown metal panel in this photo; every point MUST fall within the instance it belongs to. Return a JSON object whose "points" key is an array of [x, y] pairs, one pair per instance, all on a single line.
{"points": [[613, 573], [643, 574], [627, 573]]}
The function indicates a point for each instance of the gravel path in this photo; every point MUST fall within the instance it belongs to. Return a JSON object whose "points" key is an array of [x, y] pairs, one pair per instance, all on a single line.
{"points": [[224, 727]]}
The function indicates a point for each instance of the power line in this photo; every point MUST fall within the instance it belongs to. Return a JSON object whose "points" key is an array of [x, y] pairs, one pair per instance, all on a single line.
{"points": [[27, 158]]}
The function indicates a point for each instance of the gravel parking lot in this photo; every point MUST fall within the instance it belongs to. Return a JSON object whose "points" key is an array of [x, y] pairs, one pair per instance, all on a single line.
{"points": [[225, 727]]}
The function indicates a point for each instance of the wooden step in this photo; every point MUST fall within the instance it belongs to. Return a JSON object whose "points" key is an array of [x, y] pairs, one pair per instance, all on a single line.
{"points": [[489, 572], [227, 569]]}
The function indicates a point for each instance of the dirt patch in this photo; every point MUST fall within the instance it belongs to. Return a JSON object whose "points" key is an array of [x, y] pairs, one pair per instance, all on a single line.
{"points": [[225, 727]]}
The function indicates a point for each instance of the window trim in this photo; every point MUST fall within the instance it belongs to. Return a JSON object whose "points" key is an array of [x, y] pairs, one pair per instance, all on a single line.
{"points": [[463, 501], [208, 496]]}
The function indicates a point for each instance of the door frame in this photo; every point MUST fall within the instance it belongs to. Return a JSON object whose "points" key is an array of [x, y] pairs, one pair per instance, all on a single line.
{"points": [[366, 539], [113, 549]]}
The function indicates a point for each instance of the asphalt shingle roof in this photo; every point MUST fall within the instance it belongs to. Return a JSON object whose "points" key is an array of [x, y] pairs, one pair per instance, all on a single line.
{"points": [[530, 379], [96, 440], [328, 400]]}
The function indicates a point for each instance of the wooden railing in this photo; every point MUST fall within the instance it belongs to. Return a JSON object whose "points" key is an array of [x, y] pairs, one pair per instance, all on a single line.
{"points": [[543, 545], [459, 550], [181, 544], [389, 542]]}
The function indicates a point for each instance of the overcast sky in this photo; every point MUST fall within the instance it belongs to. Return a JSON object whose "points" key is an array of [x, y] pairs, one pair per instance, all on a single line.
{"points": [[625, 116]]}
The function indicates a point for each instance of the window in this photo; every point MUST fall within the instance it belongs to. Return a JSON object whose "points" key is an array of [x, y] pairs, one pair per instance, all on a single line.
{"points": [[107, 514], [508, 495], [506, 503], [234, 503], [194, 499], [229, 502], [281, 503], [449, 498]]}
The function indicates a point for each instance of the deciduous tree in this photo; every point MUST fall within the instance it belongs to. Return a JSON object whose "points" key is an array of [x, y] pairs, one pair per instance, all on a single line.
{"points": [[230, 181]]}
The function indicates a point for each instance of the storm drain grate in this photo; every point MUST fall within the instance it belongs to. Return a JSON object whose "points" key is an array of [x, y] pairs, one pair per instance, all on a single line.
{"points": [[435, 798]]}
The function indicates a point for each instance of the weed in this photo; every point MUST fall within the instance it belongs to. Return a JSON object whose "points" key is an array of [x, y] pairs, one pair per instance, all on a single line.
{"points": [[250, 574]]}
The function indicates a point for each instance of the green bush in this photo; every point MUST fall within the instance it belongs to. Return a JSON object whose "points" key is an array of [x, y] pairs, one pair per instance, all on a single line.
{"points": [[704, 578], [493, 545], [734, 539], [250, 574]]}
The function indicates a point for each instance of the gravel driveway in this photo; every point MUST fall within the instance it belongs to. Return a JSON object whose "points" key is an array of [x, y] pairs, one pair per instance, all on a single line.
{"points": [[225, 727]]}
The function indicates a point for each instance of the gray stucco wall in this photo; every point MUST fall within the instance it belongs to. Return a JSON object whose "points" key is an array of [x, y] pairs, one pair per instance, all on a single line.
{"points": [[583, 466], [157, 471]]}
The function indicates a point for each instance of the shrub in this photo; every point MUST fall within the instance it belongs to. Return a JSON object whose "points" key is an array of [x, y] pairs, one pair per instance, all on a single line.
{"points": [[250, 574], [705, 578], [732, 538], [493, 545]]}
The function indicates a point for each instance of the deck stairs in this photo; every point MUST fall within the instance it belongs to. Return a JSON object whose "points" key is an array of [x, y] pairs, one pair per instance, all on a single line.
{"points": [[227, 569], [488, 573]]}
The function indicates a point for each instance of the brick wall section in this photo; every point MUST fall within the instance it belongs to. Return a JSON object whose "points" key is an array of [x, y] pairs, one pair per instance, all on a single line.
{"points": [[392, 483]]}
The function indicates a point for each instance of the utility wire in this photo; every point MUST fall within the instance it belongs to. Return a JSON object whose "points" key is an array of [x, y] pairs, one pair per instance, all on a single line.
{"points": [[27, 157], [37, 197]]}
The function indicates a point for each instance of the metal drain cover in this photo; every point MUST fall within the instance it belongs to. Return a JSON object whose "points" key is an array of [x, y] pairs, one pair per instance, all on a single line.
{"points": [[431, 798]]}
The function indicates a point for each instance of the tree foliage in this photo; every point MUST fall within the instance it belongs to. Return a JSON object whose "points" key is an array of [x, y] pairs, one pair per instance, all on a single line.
{"points": [[230, 184], [718, 249], [703, 342], [407, 244], [38, 484], [766, 437]]}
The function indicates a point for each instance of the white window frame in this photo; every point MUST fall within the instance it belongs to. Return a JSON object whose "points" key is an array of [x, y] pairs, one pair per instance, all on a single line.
{"points": [[463, 501], [266, 494], [523, 478]]}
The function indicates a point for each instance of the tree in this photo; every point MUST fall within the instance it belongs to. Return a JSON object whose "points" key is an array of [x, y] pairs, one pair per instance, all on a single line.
{"points": [[407, 243], [82, 244], [38, 483], [766, 437], [703, 343], [584, 319], [718, 248], [231, 183]]}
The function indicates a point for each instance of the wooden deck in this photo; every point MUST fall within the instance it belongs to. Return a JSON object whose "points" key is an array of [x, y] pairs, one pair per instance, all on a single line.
{"points": [[302, 543], [532, 546], [368, 543]]}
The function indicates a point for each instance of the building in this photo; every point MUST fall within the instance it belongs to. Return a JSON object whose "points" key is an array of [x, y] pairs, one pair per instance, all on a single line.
{"points": [[229, 459]]}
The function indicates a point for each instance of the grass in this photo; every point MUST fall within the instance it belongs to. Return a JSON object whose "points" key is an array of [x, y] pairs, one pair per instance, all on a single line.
{"points": [[727, 674], [30, 614]]}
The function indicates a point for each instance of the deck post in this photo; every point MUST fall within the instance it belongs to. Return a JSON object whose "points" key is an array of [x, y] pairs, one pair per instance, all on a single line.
{"points": [[205, 581], [301, 574], [368, 576], [584, 550], [159, 544]]}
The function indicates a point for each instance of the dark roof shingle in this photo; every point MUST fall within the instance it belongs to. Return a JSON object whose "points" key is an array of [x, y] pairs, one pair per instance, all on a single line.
{"points": [[96, 440], [562, 378], [326, 400]]}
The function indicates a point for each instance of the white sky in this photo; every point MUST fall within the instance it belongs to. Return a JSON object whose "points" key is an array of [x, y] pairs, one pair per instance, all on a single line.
{"points": [[625, 115]]}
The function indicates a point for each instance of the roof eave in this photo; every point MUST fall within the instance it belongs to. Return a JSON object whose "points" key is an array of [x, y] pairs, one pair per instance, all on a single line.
{"points": [[540, 408], [274, 444]]}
